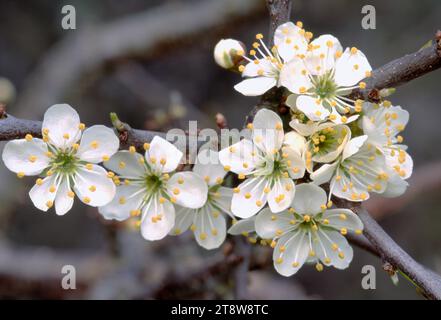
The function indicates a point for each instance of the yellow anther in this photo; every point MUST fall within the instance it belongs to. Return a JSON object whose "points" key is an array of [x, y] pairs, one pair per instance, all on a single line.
{"points": [[312, 253], [279, 126], [122, 164], [70, 194], [341, 255], [279, 260], [227, 168], [302, 90], [94, 144], [92, 188], [362, 85], [45, 131], [273, 244], [89, 166], [193, 228], [49, 203], [338, 54], [39, 182], [181, 180], [163, 161], [105, 158], [86, 200], [400, 139], [329, 204], [153, 160], [241, 176], [66, 136], [122, 200], [32, 159], [250, 126], [75, 146], [356, 66], [306, 218], [146, 146], [203, 236], [299, 24], [247, 195], [236, 190], [333, 117], [81, 126], [241, 68], [219, 180], [387, 103], [259, 203], [28, 137], [49, 173], [132, 149], [49, 154], [344, 119], [319, 267], [309, 35], [354, 50], [176, 191], [110, 174], [343, 217], [334, 247], [52, 189], [282, 248], [344, 231], [358, 231], [368, 74], [295, 264]]}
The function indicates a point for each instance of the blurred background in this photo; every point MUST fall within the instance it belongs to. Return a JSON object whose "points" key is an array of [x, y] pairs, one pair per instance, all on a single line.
{"points": [[151, 62]]}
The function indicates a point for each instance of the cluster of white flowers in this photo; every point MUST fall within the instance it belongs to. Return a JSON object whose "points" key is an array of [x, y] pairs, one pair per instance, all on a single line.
{"points": [[348, 148]]}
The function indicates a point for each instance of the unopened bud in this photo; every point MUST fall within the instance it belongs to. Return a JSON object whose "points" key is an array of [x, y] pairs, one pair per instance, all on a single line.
{"points": [[228, 53]]}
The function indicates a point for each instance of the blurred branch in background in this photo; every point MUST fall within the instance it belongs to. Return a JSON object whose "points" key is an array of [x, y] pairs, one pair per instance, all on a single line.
{"points": [[145, 32]]}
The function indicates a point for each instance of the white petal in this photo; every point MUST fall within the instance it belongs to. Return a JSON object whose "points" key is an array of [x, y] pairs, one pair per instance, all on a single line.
{"points": [[253, 69], [400, 161], [338, 139], [295, 142], [40, 195], [210, 230], [221, 200], [269, 225], [268, 130], [351, 68], [243, 226], [153, 228], [188, 189], [127, 164], [343, 218], [308, 199], [294, 77], [290, 41], [209, 167], [324, 241], [17, 156], [324, 173], [281, 194], [93, 187], [255, 86], [252, 188], [323, 54], [184, 218], [396, 186], [127, 199], [338, 119], [239, 157], [353, 146], [296, 250], [97, 142], [295, 162], [63, 200], [62, 123], [312, 108], [305, 129], [161, 150]]}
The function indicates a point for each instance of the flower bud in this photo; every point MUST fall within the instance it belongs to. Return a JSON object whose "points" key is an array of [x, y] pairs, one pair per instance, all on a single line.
{"points": [[228, 53]]}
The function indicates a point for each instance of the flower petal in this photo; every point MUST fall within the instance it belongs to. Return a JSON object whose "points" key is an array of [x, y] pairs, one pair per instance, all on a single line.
{"points": [[162, 155], [127, 164], [296, 248], [209, 167], [294, 77], [308, 199], [324, 174], [97, 143], [250, 198], [295, 162], [353, 146], [157, 219], [312, 108], [188, 189], [281, 194], [296, 142], [94, 187], [184, 218], [63, 125], [351, 68], [396, 186], [41, 196], [27, 157], [269, 225], [210, 229], [240, 157], [323, 54], [255, 86], [221, 200], [253, 69], [342, 218], [127, 199], [290, 41], [243, 226], [332, 248], [268, 131], [64, 199]]}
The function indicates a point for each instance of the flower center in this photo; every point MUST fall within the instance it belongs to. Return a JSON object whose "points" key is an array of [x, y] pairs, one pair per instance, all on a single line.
{"points": [[153, 182], [64, 162], [325, 86]]}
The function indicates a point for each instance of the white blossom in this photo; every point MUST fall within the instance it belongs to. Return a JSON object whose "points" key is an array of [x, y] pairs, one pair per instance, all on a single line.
{"points": [[309, 232], [321, 79], [266, 68], [382, 123], [208, 222], [147, 188], [267, 165], [66, 167], [228, 52]]}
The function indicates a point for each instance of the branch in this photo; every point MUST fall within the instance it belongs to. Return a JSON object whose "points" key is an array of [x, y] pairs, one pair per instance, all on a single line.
{"points": [[392, 253], [279, 12], [401, 70]]}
